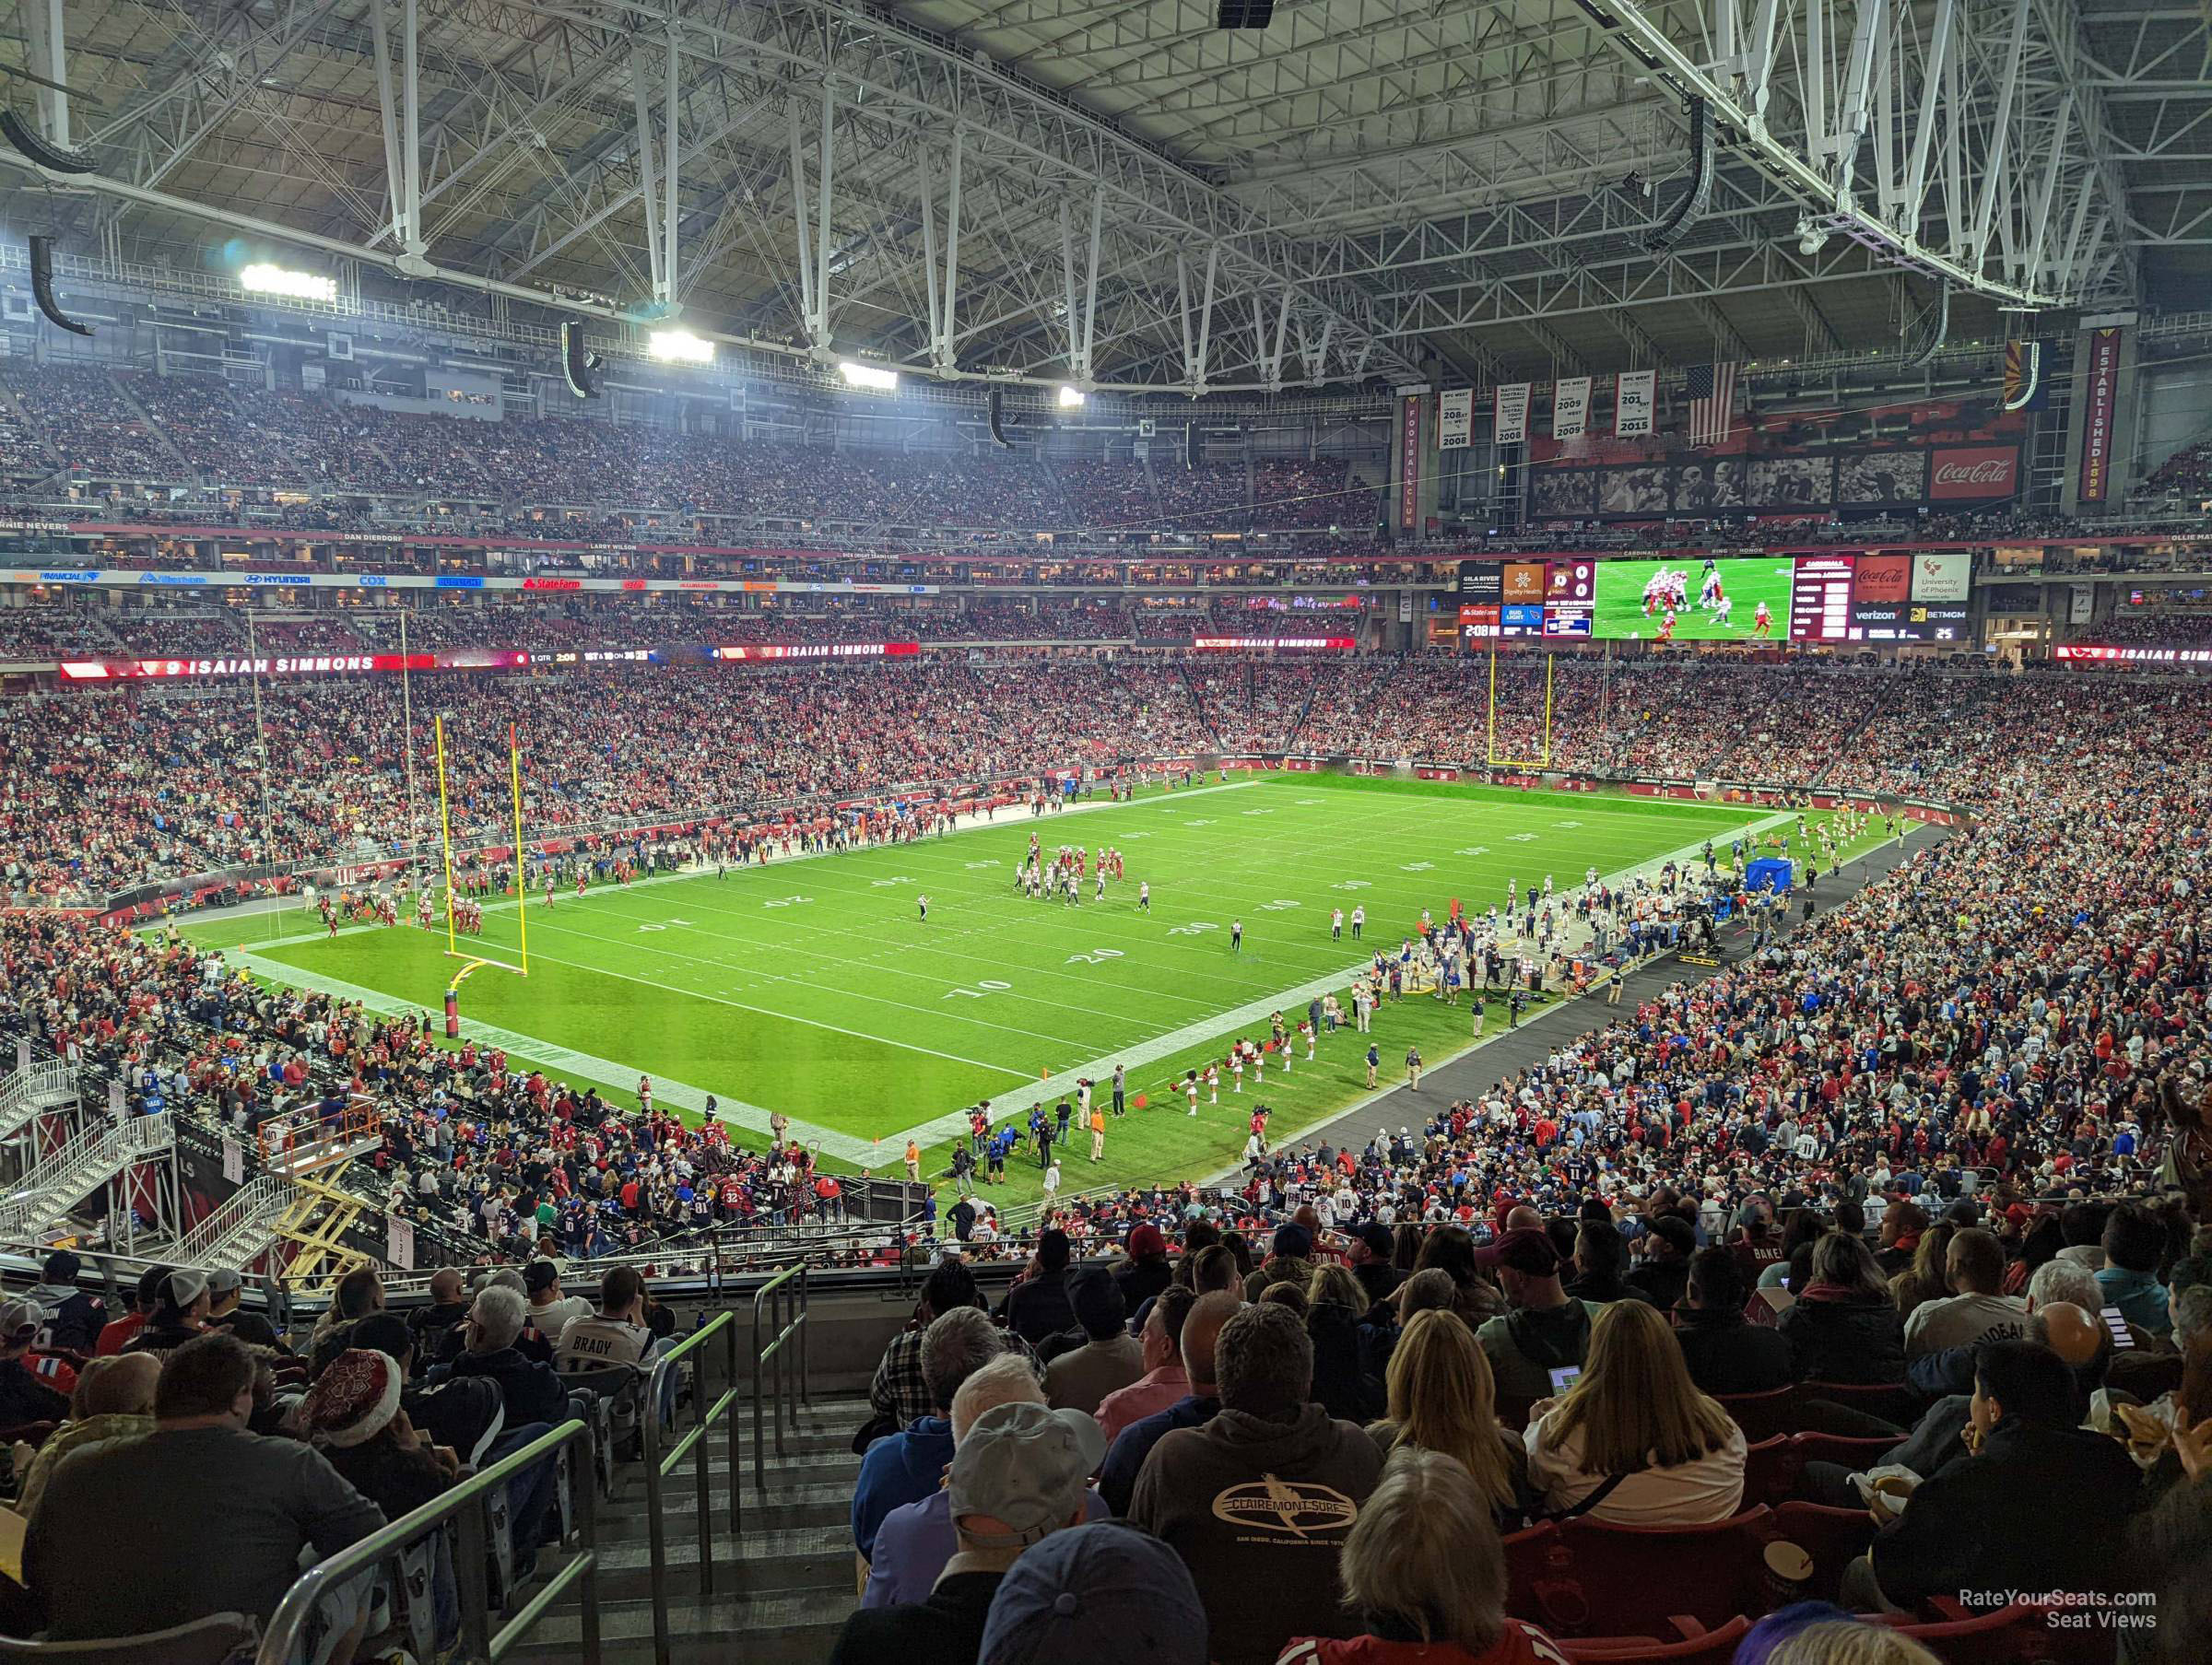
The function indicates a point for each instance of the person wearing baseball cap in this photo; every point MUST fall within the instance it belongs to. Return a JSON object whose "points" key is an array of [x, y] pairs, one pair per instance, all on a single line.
{"points": [[1099, 1591], [224, 1286], [180, 1306], [1545, 1328], [1369, 1258], [1022, 1473], [72, 1319], [33, 1386]]}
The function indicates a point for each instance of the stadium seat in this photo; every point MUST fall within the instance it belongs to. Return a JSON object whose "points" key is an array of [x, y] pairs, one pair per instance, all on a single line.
{"points": [[1832, 1538], [1636, 1580], [1760, 1415], [1533, 1560], [1892, 1402], [1854, 1454], [210, 1641], [1770, 1470], [2007, 1635], [1706, 1648]]}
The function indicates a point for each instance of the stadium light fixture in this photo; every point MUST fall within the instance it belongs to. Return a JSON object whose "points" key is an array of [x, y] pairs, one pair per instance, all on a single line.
{"points": [[264, 280], [680, 347], [1070, 397], [873, 376]]}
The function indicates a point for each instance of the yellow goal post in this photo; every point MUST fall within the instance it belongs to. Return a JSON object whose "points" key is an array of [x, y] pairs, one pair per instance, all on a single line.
{"points": [[1543, 760], [453, 950]]}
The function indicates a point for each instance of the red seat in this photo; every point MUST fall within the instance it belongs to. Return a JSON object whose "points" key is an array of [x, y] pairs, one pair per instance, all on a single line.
{"points": [[1636, 1580], [2007, 1635], [1857, 1455], [1770, 1470], [1533, 1558], [2029, 1629], [1892, 1402], [1832, 1538], [1708, 1648], [1760, 1415]]}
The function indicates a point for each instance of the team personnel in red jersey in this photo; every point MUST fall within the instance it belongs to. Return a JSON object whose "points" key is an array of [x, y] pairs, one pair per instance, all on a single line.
{"points": [[1424, 1571]]}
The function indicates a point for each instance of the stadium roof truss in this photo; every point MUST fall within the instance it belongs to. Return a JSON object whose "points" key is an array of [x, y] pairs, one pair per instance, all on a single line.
{"points": [[1117, 193]]}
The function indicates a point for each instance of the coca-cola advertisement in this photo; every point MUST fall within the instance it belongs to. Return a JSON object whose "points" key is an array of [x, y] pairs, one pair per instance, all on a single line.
{"points": [[1974, 472]]}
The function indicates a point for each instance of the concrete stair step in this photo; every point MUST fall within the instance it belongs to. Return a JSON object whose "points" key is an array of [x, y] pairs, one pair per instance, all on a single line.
{"points": [[778, 1627], [817, 1556]]}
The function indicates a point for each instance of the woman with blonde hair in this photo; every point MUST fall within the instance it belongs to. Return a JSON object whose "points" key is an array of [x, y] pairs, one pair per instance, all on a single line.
{"points": [[1444, 1398], [1927, 1278], [1424, 1571], [1634, 1442]]}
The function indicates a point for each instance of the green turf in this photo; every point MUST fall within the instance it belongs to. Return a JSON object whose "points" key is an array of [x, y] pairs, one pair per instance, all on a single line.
{"points": [[1617, 613], [812, 986]]}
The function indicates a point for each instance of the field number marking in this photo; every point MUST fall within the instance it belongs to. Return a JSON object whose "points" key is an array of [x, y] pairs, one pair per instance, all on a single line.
{"points": [[1352, 884], [989, 985], [1417, 866], [896, 879], [1472, 849], [1192, 929], [1277, 905], [785, 902], [1097, 956]]}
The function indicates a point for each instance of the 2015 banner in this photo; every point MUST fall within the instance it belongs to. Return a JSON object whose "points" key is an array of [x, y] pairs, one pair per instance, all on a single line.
{"points": [[1635, 393], [1570, 407]]}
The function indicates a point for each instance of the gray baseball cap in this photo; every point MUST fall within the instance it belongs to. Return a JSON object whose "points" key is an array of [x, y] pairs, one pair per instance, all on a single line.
{"points": [[1026, 1466]]}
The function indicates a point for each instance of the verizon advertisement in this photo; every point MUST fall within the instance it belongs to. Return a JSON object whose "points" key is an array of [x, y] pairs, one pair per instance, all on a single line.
{"points": [[1969, 472]]}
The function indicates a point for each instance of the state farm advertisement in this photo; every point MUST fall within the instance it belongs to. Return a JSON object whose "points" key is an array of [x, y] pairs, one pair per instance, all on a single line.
{"points": [[1966, 472]]}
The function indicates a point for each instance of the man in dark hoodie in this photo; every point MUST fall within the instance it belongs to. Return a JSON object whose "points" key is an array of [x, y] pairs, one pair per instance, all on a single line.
{"points": [[1984, 1526], [1725, 1352], [70, 1321], [1547, 1329], [1038, 1306], [1258, 1501], [530, 1390]]}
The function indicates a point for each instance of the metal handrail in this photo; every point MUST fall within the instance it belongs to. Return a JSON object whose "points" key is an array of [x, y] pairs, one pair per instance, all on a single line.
{"points": [[796, 1305], [659, 1465], [463, 1502]]}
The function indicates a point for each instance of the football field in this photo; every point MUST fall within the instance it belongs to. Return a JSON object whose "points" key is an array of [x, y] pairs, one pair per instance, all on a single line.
{"points": [[814, 987]]}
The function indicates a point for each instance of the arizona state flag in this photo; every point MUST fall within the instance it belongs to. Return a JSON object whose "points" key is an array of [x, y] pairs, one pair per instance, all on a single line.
{"points": [[2024, 388]]}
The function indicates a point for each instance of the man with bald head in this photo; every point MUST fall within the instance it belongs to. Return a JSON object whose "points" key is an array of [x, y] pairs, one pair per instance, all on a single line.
{"points": [[1125, 1457], [916, 1539], [1520, 1217]]}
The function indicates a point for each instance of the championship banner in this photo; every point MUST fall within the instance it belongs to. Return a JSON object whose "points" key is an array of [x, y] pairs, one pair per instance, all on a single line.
{"points": [[1570, 407], [1635, 393], [1456, 419], [2097, 416], [1511, 411]]}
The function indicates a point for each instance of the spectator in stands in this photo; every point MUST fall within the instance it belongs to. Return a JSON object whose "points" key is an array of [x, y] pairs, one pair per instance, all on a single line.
{"points": [[180, 1313], [616, 1334], [353, 1415], [2134, 1240], [1633, 1441], [550, 1310], [1443, 1399], [1984, 1525], [1200, 1348], [224, 1289], [114, 1399], [1370, 1257], [899, 1392], [1974, 1267], [1844, 1327], [1038, 1306], [530, 1390], [1725, 1352], [1928, 1278], [1099, 1592], [916, 1539], [1022, 1474], [1425, 1572], [1545, 1328], [905, 1467], [1343, 1382], [1143, 1271], [116, 1334], [447, 1309], [1289, 1261], [1108, 1359], [1950, 1370], [1661, 1275], [1165, 1380], [359, 1293], [69, 1318], [1601, 1260], [1268, 1447], [33, 1388], [461, 1413], [198, 1517]]}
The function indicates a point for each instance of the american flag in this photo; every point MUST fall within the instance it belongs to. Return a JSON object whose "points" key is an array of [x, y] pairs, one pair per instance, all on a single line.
{"points": [[1712, 403]]}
